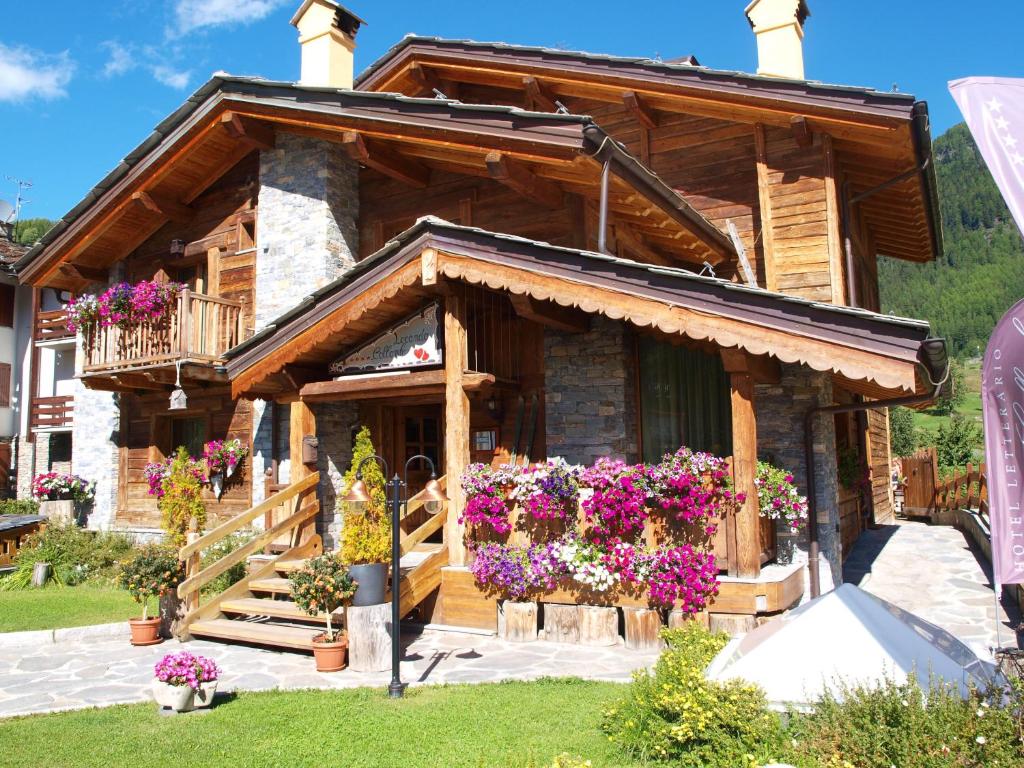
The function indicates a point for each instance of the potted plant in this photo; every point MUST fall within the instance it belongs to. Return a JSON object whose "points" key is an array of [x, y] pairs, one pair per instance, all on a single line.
{"points": [[366, 529], [180, 497], [62, 497], [223, 457], [322, 586], [184, 682], [153, 572]]}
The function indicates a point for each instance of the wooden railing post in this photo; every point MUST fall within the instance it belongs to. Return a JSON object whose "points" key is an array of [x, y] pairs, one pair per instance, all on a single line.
{"points": [[744, 465], [192, 568], [184, 321]]}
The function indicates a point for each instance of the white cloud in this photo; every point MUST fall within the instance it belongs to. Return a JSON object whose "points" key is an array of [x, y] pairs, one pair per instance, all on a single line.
{"points": [[170, 77], [190, 15], [122, 59], [26, 74]]}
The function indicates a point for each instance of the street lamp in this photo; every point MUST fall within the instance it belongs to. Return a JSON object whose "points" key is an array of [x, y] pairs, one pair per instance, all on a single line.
{"points": [[359, 494]]}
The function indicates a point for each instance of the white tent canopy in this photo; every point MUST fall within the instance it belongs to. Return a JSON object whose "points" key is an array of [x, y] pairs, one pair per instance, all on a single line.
{"points": [[846, 635]]}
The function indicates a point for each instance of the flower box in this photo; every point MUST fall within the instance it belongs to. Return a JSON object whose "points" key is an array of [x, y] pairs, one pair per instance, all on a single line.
{"points": [[60, 512]]}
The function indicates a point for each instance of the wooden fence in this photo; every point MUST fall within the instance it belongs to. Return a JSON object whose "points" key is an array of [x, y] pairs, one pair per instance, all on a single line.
{"points": [[926, 491]]}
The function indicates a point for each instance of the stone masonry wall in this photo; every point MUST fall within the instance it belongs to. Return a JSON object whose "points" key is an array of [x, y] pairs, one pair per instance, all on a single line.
{"points": [[590, 396], [780, 440], [95, 435], [334, 425]]}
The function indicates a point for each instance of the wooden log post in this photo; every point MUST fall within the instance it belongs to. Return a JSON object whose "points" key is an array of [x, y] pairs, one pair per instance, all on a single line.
{"points": [[747, 561], [192, 567], [599, 625], [561, 623], [643, 628], [678, 619], [517, 622], [302, 422], [369, 637], [456, 423]]}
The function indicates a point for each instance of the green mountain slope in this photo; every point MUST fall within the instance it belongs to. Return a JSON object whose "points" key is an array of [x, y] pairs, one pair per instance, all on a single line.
{"points": [[981, 273]]}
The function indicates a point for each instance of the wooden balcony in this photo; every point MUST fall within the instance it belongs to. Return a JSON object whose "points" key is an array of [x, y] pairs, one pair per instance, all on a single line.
{"points": [[52, 326], [50, 413], [197, 332]]}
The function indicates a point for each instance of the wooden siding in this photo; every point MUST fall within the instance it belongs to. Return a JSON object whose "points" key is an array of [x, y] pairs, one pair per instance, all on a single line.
{"points": [[880, 458]]}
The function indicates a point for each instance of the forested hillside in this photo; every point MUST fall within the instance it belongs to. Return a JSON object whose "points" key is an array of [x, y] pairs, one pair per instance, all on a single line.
{"points": [[981, 273]]}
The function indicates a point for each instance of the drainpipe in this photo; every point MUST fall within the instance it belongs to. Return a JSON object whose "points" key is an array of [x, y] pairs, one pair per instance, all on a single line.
{"points": [[813, 549], [602, 225]]}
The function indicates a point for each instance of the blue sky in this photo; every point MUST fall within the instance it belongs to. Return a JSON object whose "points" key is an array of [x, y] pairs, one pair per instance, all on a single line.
{"points": [[82, 83]]}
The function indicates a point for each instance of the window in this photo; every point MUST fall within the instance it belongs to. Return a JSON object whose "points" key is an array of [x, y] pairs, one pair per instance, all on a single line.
{"points": [[5, 385], [6, 305], [684, 400], [189, 432], [60, 448]]}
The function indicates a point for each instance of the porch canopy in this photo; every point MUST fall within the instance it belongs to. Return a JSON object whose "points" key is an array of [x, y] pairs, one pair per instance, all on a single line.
{"points": [[433, 261]]}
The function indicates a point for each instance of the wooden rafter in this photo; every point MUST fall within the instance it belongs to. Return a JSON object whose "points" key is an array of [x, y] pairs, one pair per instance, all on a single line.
{"points": [[386, 161], [423, 77], [639, 109], [85, 274], [801, 131], [538, 95], [552, 315], [524, 181], [257, 135], [164, 206]]}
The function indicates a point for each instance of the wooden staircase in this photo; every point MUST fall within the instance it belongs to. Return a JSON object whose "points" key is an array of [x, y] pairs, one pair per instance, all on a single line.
{"points": [[258, 609]]}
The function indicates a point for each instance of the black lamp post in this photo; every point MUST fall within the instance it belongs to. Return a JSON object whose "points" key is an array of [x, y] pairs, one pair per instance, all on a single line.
{"points": [[359, 494]]}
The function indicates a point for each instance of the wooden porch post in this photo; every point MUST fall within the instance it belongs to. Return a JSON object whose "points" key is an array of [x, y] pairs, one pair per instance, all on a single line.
{"points": [[744, 464], [456, 422], [302, 422]]}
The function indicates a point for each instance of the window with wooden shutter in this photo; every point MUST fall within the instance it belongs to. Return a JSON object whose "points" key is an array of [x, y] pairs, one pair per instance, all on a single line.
{"points": [[5, 385], [6, 306]]}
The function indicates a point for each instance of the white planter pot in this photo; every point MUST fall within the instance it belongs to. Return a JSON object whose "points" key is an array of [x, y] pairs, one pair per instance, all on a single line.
{"points": [[204, 696], [180, 698], [217, 484]]}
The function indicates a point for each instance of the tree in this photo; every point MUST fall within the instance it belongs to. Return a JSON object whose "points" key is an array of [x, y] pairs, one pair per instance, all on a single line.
{"points": [[902, 439], [365, 533], [956, 441], [955, 391], [28, 231]]}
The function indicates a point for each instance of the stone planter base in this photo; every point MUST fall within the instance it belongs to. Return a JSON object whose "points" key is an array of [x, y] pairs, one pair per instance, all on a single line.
{"points": [[181, 698], [62, 512]]}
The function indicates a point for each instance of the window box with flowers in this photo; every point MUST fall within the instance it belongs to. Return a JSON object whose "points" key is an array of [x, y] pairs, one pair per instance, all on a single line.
{"points": [[223, 458], [123, 306], [63, 498]]}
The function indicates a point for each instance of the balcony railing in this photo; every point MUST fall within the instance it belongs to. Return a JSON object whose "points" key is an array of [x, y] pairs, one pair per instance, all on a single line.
{"points": [[200, 329], [52, 412], [52, 325]]}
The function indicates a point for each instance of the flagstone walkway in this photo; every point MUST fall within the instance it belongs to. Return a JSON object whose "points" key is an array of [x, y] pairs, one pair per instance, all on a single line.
{"points": [[933, 571], [91, 673]]}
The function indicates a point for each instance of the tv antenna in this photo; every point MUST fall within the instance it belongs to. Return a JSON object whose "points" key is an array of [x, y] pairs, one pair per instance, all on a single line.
{"points": [[19, 199]]}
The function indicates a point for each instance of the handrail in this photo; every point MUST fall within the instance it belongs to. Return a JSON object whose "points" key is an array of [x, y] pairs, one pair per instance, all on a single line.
{"points": [[230, 526]]}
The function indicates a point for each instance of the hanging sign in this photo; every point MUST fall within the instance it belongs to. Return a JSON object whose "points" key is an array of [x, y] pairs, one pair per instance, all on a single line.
{"points": [[413, 343]]}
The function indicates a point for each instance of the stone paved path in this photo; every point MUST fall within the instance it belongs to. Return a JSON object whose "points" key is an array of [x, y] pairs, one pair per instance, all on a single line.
{"points": [[91, 673], [932, 571]]}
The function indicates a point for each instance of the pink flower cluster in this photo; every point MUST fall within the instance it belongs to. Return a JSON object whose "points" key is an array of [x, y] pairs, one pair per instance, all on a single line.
{"points": [[183, 668], [778, 497], [222, 456], [122, 305], [56, 486], [486, 506]]}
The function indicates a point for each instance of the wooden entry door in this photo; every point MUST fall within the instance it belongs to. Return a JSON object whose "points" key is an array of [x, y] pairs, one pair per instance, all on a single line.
{"points": [[418, 430]]}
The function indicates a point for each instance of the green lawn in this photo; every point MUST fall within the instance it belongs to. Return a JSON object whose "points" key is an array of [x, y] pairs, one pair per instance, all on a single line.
{"points": [[518, 725], [54, 607], [929, 421]]}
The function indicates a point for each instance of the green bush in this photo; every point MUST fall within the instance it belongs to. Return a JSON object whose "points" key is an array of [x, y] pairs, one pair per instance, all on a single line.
{"points": [[365, 533], [19, 507], [75, 555], [153, 572], [222, 548], [182, 501], [896, 724], [675, 714]]}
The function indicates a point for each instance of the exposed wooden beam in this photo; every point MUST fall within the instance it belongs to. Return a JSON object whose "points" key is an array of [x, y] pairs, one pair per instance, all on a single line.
{"points": [[550, 314], [801, 131], [256, 134], [456, 421], [86, 274], [164, 206], [627, 237], [424, 78], [641, 111], [524, 181], [385, 161], [762, 368], [540, 98]]}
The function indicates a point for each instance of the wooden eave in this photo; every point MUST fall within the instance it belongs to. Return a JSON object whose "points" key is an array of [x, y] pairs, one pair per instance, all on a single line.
{"points": [[857, 345], [865, 129], [231, 123]]}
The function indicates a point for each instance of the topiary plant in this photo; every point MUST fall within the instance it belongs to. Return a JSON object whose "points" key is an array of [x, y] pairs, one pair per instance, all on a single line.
{"points": [[322, 586], [153, 572], [365, 533], [182, 501]]}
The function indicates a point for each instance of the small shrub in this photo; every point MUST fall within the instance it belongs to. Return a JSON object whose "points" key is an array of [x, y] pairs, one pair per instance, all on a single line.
{"points": [[675, 714], [322, 585], [19, 507], [75, 555], [153, 572], [366, 533], [182, 500], [897, 724]]}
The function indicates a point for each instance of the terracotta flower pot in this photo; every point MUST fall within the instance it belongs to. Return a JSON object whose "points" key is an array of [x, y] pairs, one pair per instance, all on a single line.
{"points": [[145, 631], [330, 657]]}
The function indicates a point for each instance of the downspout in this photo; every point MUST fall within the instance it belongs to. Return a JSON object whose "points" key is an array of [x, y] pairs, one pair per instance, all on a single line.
{"points": [[813, 549], [602, 225]]}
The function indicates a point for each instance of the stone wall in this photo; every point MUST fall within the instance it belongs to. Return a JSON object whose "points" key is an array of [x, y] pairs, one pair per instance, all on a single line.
{"points": [[307, 232], [780, 440], [334, 425], [591, 407], [95, 436]]}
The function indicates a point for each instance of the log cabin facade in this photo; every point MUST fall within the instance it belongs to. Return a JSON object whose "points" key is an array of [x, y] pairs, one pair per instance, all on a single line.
{"points": [[621, 255]]}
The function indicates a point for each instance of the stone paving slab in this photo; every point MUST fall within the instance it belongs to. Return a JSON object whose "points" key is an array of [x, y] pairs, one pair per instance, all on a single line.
{"points": [[935, 572], [102, 671]]}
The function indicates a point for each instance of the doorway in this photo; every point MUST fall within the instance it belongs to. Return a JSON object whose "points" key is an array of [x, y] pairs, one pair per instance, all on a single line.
{"points": [[418, 431]]}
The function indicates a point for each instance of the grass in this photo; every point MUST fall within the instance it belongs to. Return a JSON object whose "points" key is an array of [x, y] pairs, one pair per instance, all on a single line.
{"points": [[53, 607], [513, 725], [929, 421]]}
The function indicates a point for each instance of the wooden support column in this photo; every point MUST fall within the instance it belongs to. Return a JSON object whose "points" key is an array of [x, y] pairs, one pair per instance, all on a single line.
{"points": [[456, 422], [302, 423], [744, 464], [764, 196]]}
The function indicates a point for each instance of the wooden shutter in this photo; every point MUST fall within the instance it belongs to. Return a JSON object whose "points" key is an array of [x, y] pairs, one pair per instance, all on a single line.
{"points": [[6, 305], [5, 385]]}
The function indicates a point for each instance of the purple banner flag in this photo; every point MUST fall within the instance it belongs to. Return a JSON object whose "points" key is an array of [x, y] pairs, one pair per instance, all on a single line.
{"points": [[994, 110], [1002, 402]]}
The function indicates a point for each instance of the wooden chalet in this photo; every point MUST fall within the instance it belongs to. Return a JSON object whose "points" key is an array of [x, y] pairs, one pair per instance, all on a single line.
{"points": [[614, 256]]}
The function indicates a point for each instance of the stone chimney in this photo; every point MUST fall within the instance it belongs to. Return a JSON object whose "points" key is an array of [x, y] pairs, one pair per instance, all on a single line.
{"points": [[779, 28], [327, 36]]}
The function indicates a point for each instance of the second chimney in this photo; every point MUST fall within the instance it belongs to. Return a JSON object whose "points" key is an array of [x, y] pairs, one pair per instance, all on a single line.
{"points": [[779, 28], [327, 37]]}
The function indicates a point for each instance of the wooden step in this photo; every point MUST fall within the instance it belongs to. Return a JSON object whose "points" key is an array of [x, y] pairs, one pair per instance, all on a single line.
{"points": [[278, 585], [278, 635], [288, 566], [278, 609]]}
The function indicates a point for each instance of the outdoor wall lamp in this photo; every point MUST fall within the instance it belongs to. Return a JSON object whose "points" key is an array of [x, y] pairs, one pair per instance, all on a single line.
{"points": [[177, 250], [360, 494]]}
